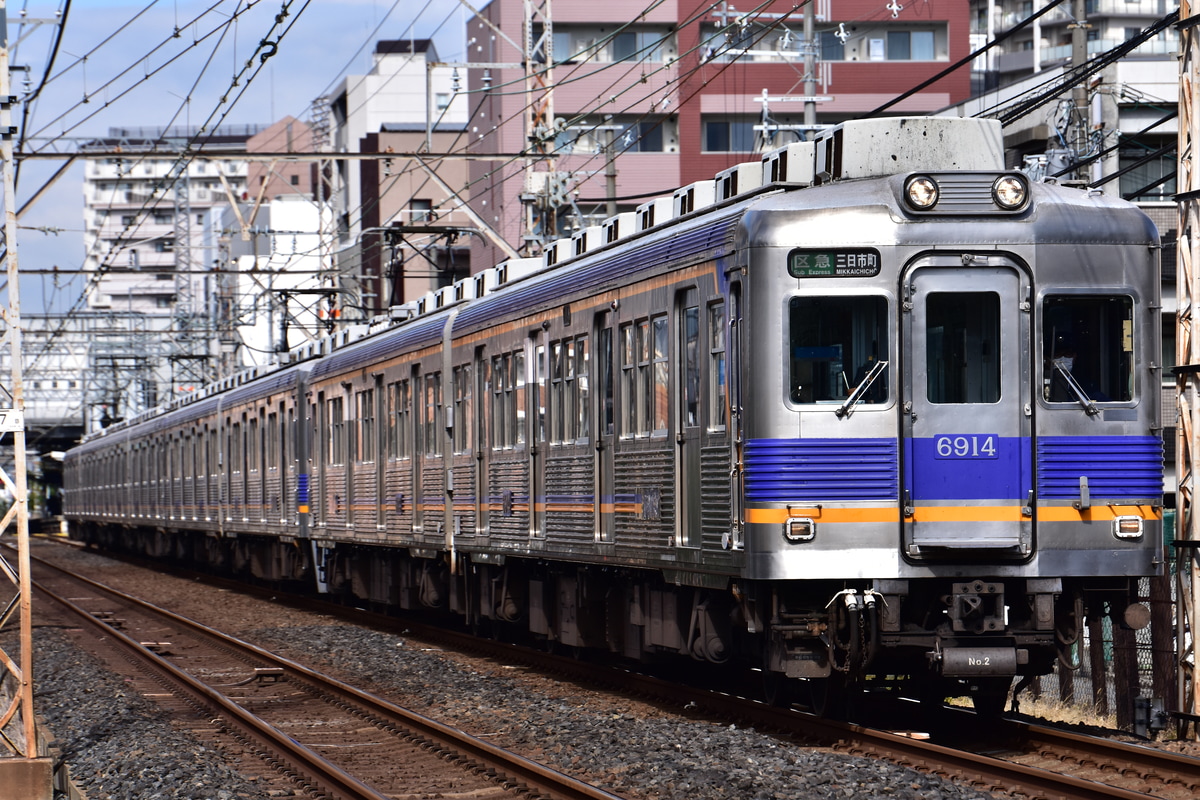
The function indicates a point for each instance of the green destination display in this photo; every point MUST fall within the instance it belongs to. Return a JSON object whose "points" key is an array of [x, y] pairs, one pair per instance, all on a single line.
{"points": [[859, 263]]}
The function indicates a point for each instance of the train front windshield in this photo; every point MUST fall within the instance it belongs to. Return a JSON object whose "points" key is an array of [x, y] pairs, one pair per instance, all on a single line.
{"points": [[1087, 348], [834, 343]]}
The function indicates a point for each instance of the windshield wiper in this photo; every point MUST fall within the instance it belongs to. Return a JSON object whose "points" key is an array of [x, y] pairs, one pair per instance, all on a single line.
{"points": [[856, 396], [1086, 402]]}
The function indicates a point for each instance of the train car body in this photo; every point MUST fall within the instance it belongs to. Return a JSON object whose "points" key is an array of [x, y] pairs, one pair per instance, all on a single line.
{"points": [[870, 406]]}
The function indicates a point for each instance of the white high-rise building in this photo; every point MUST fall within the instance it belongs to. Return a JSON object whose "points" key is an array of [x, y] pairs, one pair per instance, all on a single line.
{"points": [[144, 216]]}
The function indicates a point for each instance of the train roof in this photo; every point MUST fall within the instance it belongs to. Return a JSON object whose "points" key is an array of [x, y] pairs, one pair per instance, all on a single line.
{"points": [[868, 216], [672, 229]]}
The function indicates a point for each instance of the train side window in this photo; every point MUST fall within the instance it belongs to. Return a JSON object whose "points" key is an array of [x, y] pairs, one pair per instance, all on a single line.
{"points": [[559, 391], [604, 376], [499, 417], [432, 417], [462, 409], [582, 367], [337, 432], [962, 347], [518, 419], [365, 400], [252, 445], [569, 390], [661, 376], [1087, 341], [691, 366], [717, 398], [399, 420], [645, 392], [833, 344], [628, 381], [236, 448], [272, 442]]}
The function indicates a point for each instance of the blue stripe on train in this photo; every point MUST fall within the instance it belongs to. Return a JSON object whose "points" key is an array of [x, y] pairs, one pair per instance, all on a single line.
{"points": [[815, 470], [803, 470], [968, 467], [1126, 467]]}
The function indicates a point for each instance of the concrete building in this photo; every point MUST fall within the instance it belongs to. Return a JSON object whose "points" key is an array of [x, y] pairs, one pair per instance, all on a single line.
{"points": [[276, 176], [144, 215], [1120, 128], [683, 91], [272, 293], [416, 230], [1046, 41], [405, 84]]}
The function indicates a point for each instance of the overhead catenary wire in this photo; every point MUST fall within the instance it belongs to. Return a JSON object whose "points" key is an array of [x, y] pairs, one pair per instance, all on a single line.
{"points": [[965, 60], [678, 80], [1083, 72], [586, 70], [244, 78], [29, 100], [597, 155], [218, 29]]}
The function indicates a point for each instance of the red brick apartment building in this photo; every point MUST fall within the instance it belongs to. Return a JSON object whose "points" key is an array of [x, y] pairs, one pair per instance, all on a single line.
{"points": [[679, 87]]}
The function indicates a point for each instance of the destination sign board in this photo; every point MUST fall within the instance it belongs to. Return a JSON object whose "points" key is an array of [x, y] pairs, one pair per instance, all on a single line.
{"points": [[834, 263]]}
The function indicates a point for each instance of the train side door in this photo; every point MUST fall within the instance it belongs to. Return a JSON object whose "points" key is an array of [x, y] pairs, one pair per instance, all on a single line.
{"points": [[966, 408], [379, 434], [537, 421], [417, 429], [687, 419], [605, 427]]}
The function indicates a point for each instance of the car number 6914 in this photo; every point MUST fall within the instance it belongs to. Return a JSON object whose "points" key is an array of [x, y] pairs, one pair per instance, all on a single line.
{"points": [[965, 446]]}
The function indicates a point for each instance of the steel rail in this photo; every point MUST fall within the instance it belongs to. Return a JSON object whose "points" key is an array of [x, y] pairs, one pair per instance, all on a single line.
{"points": [[986, 771], [518, 769], [1170, 766], [315, 768]]}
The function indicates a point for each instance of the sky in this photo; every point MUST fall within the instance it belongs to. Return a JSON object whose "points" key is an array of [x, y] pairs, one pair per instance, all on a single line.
{"points": [[176, 62]]}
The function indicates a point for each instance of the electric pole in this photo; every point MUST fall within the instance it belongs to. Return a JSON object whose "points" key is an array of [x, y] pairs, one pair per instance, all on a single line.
{"points": [[810, 70], [1187, 374], [26, 775]]}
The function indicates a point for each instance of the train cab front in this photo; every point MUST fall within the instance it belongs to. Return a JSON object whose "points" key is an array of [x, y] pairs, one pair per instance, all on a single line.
{"points": [[967, 462]]}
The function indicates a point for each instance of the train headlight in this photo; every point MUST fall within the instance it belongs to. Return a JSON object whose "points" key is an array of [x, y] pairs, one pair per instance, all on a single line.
{"points": [[799, 529], [1010, 192], [922, 192], [1128, 527]]}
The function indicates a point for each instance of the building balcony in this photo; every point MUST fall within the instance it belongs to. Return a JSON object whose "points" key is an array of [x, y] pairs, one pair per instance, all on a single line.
{"points": [[1147, 10], [1164, 48], [145, 197]]}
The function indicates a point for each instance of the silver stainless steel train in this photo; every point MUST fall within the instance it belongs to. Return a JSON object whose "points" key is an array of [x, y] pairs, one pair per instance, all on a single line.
{"points": [[871, 406]]}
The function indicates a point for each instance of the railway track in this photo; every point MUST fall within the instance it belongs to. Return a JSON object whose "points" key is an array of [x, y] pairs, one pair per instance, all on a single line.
{"points": [[1138, 769], [331, 738], [1014, 758], [1019, 759]]}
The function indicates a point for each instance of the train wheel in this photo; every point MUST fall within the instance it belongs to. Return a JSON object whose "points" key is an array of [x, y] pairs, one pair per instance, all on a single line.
{"points": [[778, 689], [990, 696], [829, 697], [932, 694]]}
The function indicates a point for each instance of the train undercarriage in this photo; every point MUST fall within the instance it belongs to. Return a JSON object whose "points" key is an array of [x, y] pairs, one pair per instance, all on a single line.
{"points": [[821, 642]]}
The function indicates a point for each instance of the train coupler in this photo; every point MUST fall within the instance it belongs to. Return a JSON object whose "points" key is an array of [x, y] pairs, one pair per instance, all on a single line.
{"points": [[977, 607]]}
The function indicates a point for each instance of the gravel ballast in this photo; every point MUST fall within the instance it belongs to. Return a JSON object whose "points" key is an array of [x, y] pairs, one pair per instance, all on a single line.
{"points": [[116, 743], [119, 745], [623, 746]]}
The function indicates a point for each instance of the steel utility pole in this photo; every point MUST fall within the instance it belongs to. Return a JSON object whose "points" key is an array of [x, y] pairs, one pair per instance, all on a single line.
{"points": [[1187, 374], [541, 211], [25, 775], [810, 69]]}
